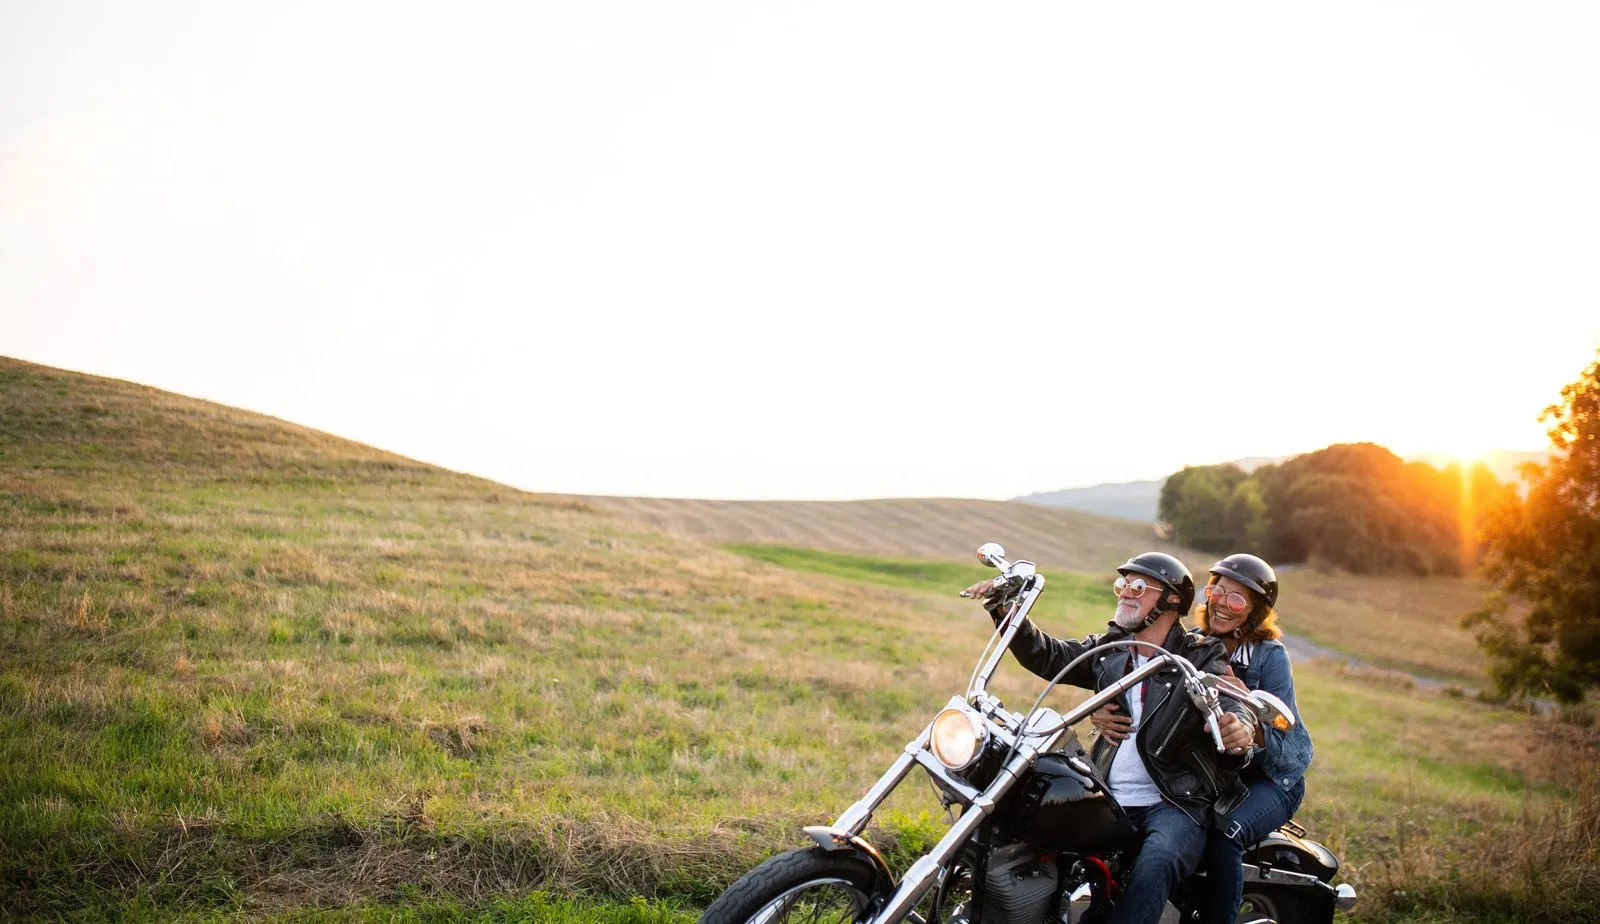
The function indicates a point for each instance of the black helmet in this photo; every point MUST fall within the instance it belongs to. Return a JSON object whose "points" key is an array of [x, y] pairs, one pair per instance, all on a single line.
{"points": [[1253, 573], [1167, 570]]}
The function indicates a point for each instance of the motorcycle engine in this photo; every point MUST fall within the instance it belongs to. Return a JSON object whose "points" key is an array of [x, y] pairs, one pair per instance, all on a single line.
{"points": [[1018, 886]]}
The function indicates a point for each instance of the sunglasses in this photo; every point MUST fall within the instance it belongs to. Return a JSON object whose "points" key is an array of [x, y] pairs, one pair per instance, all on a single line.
{"points": [[1136, 587], [1230, 600]]}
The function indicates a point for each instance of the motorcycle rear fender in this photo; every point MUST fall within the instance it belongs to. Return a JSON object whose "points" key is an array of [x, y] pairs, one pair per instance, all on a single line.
{"points": [[1284, 837], [833, 839], [1344, 896]]}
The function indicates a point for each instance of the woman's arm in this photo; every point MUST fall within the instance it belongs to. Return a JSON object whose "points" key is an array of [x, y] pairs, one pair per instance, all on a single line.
{"points": [[1290, 751], [1277, 678]]}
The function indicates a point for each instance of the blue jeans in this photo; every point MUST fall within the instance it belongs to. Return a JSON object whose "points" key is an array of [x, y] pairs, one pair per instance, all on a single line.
{"points": [[1262, 812], [1172, 847]]}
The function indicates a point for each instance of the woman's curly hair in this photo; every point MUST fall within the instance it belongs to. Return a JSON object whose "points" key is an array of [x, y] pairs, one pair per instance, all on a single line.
{"points": [[1266, 626]]}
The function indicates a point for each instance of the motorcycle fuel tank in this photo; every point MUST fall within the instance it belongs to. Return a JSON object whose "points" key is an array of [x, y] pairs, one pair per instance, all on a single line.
{"points": [[1059, 807]]}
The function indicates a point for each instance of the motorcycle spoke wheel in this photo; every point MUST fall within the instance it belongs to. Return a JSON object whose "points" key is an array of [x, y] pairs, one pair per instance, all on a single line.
{"points": [[820, 901], [808, 886], [954, 897]]}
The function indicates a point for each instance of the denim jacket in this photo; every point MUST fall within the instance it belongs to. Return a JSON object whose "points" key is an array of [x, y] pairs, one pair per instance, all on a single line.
{"points": [[1265, 666]]}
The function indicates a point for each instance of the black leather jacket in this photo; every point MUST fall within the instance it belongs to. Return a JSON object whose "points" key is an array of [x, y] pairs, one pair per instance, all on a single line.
{"points": [[1173, 740]]}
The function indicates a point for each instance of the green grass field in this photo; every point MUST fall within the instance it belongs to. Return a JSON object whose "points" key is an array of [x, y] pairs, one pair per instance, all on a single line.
{"points": [[1403, 623], [247, 667]]}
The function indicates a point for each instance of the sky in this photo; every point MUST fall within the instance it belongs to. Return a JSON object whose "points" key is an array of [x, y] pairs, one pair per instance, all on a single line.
{"points": [[820, 250]]}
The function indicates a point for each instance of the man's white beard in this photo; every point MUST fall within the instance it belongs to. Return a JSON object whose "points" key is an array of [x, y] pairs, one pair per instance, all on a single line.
{"points": [[1128, 617]]}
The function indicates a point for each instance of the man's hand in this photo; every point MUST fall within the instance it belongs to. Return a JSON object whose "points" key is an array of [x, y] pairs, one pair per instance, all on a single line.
{"points": [[1111, 723], [1236, 735], [980, 590], [1234, 683]]}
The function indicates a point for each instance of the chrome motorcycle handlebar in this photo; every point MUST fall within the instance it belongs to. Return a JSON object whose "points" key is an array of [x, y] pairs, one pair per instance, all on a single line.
{"points": [[1032, 586]]}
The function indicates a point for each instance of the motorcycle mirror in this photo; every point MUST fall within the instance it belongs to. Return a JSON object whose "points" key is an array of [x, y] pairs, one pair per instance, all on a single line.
{"points": [[992, 554], [1274, 711]]}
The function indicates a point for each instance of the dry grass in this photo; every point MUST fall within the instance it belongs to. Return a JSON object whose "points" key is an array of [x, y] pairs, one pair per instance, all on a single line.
{"points": [[247, 666], [256, 629], [1406, 623], [934, 528], [1546, 867]]}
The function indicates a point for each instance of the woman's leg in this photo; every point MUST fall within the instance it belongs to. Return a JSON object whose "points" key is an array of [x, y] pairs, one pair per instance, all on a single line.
{"points": [[1262, 812]]}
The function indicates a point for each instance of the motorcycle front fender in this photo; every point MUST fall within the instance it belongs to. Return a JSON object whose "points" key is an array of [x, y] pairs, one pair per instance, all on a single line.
{"points": [[834, 839]]}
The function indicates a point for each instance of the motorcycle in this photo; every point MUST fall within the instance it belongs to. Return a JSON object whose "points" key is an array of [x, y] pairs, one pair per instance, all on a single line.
{"points": [[1036, 837]]}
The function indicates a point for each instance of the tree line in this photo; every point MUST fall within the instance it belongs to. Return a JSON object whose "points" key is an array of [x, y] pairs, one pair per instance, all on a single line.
{"points": [[1359, 507], [1355, 506]]}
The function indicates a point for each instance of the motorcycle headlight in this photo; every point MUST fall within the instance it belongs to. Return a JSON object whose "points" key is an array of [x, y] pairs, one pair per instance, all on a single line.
{"points": [[957, 738]]}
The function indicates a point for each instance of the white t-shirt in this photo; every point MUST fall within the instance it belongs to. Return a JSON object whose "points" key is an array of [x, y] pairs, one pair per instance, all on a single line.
{"points": [[1130, 782]]}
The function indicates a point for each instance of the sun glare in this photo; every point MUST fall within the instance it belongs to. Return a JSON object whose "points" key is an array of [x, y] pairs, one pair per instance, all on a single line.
{"points": [[1464, 456]]}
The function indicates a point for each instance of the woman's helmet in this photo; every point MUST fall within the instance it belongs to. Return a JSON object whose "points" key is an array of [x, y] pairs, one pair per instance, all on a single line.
{"points": [[1253, 573], [1169, 571]]}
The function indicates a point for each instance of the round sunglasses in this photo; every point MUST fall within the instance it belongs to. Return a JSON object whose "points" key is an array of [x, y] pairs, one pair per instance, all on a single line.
{"points": [[1230, 600], [1137, 586]]}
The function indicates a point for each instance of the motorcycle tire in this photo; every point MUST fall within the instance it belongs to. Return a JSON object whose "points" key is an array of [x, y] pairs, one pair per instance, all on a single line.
{"points": [[810, 884], [952, 900], [1284, 904]]}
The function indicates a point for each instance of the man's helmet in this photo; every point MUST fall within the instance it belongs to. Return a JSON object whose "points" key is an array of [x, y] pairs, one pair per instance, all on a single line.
{"points": [[1253, 573], [1167, 570]]}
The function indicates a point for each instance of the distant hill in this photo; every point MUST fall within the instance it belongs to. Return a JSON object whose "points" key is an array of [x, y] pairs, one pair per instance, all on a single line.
{"points": [[1129, 500], [1251, 463]]}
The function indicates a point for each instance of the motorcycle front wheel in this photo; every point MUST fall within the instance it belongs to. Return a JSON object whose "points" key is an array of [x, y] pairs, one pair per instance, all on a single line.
{"points": [[811, 884], [952, 903]]}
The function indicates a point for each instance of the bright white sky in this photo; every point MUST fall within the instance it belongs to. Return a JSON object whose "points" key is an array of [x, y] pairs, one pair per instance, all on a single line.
{"points": [[814, 250]]}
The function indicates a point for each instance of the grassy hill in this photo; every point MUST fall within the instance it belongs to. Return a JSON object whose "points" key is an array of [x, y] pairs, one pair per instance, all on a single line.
{"points": [[933, 528], [1401, 623], [246, 667]]}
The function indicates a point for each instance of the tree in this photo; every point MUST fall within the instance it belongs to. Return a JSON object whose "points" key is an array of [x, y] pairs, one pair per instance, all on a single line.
{"points": [[1360, 507], [1245, 517], [1542, 554], [1355, 506], [1196, 502]]}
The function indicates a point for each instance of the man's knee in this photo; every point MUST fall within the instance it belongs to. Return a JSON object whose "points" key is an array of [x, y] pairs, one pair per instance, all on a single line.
{"points": [[1167, 858]]}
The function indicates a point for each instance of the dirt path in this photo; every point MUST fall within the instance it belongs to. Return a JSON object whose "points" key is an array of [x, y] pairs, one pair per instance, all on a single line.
{"points": [[1301, 649]]}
